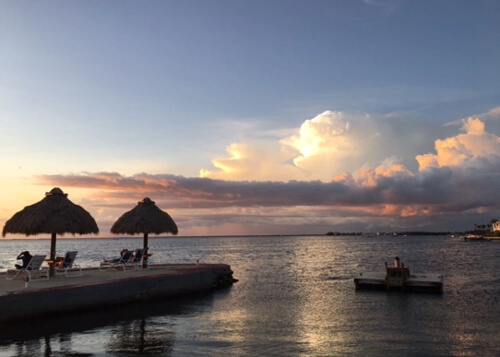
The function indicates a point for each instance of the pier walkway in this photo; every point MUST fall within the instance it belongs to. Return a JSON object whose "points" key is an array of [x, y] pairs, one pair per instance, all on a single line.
{"points": [[106, 287]]}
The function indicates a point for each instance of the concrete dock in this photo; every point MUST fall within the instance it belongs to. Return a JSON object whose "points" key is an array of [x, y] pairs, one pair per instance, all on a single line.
{"points": [[98, 288]]}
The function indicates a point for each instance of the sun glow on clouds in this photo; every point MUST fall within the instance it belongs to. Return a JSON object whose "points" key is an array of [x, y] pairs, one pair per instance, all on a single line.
{"points": [[470, 149], [250, 162], [370, 177], [324, 146], [344, 147], [305, 180], [324, 134]]}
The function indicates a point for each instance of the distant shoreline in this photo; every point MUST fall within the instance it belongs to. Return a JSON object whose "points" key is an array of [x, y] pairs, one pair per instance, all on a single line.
{"points": [[335, 234]]}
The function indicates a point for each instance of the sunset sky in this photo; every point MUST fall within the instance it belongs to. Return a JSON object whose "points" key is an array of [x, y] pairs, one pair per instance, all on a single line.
{"points": [[255, 117]]}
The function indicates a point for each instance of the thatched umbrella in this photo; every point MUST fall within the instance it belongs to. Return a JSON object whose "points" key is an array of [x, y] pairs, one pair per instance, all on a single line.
{"points": [[145, 218], [55, 214]]}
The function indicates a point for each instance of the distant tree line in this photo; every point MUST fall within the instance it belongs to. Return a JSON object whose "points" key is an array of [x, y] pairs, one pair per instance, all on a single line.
{"points": [[408, 233], [485, 229]]}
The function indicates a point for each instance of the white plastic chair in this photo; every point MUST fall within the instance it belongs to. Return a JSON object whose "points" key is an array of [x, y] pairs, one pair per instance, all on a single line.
{"points": [[33, 270], [68, 266]]}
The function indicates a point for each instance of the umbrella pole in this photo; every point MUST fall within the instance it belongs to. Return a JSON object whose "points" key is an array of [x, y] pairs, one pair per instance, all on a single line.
{"points": [[52, 255], [145, 258]]}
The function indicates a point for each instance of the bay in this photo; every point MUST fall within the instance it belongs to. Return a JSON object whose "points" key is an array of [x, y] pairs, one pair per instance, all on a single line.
{"points": [[295, 297]]}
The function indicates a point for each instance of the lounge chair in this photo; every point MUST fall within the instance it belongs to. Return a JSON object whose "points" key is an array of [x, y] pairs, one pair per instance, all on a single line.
{"points": [[68, 266], [136, 260], [33, 270], [117, 263]]}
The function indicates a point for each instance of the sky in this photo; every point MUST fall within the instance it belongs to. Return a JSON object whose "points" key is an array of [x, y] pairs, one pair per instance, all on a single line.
{"points": [[255, 117]]}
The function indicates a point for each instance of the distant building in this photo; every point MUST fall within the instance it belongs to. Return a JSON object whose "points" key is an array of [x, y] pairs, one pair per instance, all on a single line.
{"points": [[496, 226]]}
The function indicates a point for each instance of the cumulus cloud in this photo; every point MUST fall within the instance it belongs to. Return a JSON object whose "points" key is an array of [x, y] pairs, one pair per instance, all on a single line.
{"points": [[251, 162], [323, 134], [324, 146], [474, 148], [457, 180]]}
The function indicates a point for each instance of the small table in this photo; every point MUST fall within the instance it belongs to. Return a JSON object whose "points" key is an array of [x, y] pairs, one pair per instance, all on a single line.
{"points": [[55, 261]]}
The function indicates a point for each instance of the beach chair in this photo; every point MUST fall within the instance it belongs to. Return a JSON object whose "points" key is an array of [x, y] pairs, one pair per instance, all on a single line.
{"points": [[33, 270], [136, 261], [68, 266], [119, 263]]}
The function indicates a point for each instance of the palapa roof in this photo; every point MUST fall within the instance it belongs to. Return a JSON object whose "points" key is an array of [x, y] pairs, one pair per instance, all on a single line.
{"points": [[145, 218], [54, 214]]}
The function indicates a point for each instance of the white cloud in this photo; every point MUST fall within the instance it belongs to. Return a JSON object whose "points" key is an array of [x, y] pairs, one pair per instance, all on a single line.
{"points": [[264, 184], [326, 134], [248, 162], [491, 114], [324, 146], [471, 149]]}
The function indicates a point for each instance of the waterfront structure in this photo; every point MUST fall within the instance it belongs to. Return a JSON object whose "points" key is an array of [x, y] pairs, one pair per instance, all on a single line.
{"points": [[107, 288], [145, 218], [398, 277], [55, 214]]}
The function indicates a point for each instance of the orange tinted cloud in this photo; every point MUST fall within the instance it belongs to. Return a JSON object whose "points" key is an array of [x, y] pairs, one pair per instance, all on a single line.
{"points": [[255, 188], [322, 147], [469, 149], [251, 163]]}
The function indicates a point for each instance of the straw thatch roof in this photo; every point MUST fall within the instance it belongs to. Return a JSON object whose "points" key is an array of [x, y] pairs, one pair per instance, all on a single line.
{"points": [[145, 218], [55, 214]]}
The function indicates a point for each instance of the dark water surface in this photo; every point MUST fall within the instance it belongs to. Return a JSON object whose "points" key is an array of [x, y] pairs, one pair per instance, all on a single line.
{"points": [[295, 297]]}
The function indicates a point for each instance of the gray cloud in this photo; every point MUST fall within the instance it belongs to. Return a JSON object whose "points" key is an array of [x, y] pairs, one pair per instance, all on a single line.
{"points": [[443, 188], [452, 190]]}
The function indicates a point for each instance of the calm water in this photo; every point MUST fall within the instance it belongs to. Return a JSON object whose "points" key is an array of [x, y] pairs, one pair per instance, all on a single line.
{"points": [[295, 297]]}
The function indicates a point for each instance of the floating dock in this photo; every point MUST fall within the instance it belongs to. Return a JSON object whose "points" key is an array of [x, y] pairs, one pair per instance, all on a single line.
{"points": [[100, 288], [416, 282], [399, 277]]}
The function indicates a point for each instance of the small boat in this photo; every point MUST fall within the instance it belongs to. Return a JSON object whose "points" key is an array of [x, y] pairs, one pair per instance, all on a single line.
{"points": [[398, 277], [474, 237]]}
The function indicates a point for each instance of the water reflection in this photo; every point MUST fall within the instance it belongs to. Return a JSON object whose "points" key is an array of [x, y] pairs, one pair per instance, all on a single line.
{"points": [[134, 329], [28, 348], [295, 297], [142, 337]]}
